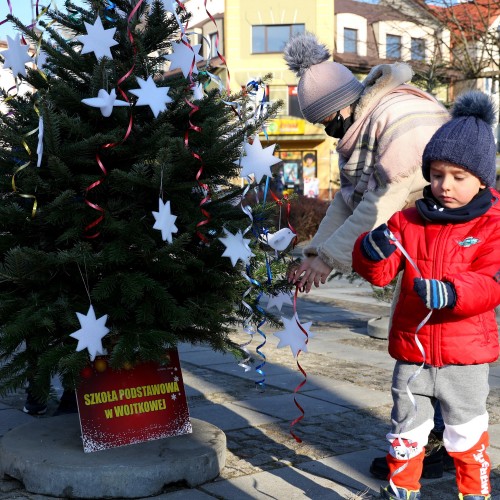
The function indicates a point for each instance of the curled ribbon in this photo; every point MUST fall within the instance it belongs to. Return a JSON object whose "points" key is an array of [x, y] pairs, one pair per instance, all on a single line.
{"points": [[110, 145], [299, 386], [414, 375]]}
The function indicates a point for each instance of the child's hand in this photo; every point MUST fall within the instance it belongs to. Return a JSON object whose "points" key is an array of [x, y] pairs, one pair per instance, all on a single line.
{"points": [[376, 246], [435, 294]]}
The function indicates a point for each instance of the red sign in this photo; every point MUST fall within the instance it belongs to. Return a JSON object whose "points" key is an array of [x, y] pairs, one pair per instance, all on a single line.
{"points": [[124, 407]]}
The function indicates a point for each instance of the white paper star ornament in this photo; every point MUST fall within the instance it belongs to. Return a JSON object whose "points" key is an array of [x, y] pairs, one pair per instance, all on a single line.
{"points": [[91, 333], [16, 56], [165, 221], [278, 300], [236, 247], [106, 102], [98, 40], [150, 95], [293, 335], [183, 55], [257, 161]]}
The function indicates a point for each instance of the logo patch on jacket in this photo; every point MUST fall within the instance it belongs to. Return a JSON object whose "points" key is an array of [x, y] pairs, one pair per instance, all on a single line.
{"points": [[468, 242]]}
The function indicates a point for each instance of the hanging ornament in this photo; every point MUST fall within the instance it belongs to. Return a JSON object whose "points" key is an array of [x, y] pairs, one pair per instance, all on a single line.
{"points": [[198, 92], [165, 221], [185, 57], [39, 149], [257, 161], [87, 372], [293, 335], [278, 300], [236, 247], [106, 102], [91, 333], [98, 40], [16, 56], [150, 95], [280, 240], [100, 365]]}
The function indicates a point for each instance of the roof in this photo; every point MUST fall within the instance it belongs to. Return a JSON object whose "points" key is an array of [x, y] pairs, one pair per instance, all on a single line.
{"points": [[372, 12]]}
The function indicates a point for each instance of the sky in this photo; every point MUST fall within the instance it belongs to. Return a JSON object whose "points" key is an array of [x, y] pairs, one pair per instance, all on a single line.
{"points": [[23, 10]]}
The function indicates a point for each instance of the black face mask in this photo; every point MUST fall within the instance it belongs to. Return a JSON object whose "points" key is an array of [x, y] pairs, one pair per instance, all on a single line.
{"points": [[338, 126]]}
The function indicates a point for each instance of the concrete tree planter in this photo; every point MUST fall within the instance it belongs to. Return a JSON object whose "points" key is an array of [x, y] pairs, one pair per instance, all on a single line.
{"points": [[46, 455]]}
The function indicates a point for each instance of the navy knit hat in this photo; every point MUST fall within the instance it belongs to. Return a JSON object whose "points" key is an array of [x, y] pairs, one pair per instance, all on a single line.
{"points": [[467, 139]]}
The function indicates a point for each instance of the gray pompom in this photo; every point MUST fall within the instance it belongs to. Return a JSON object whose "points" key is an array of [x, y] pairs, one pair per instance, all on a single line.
{"points": [[303, 51], [474, 103]]}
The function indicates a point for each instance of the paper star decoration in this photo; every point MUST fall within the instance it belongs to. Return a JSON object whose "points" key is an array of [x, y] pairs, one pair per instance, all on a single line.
{"points": [[236, 247], [257, 161], [165, 221], [293, 336], [91, 333], [150, 95], [105, 102], [39, 149], [182, 57], [278, 300], [98, 40], [16, 56]]}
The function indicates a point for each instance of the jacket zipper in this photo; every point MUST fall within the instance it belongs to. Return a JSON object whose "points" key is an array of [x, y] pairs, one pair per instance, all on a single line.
{"points": [[437, 265]]}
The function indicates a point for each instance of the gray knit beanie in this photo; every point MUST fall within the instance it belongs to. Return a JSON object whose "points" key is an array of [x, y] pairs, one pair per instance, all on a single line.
{"points": [[325, 87], [467, 139]]}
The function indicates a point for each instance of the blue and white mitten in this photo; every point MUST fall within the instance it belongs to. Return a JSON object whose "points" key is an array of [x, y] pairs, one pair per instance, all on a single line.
{"points": [[376, 246], [435, 294]]}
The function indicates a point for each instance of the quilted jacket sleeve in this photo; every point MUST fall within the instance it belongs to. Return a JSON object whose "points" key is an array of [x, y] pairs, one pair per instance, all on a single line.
{"points": [[379, 273]]}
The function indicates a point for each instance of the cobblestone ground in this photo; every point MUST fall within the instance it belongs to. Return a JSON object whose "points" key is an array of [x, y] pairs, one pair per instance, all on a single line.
{"points": [[271, 446]]}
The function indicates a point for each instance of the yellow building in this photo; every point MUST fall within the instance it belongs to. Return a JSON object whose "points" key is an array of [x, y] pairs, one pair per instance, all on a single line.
{"points": [[254, 36]]}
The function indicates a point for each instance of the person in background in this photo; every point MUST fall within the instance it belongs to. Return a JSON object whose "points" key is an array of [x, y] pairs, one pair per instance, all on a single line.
{"points": [[382, 125], [450, 265]]}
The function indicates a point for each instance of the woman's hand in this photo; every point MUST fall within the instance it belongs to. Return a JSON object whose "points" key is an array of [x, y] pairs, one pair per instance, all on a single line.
{"points": [[311, 270]]}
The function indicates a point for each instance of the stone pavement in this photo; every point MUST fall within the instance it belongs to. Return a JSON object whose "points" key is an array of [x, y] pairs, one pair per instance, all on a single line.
{"points": [[345, 402]]}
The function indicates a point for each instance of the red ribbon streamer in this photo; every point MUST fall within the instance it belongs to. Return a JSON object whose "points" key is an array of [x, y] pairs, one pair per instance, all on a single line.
{"points": [[300, 417], [10, 9], [110, 145]]}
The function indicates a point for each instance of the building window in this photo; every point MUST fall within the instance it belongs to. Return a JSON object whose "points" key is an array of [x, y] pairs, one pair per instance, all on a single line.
{"points": [[272, 38], [350, 40], [417, 49], [393, 50]]}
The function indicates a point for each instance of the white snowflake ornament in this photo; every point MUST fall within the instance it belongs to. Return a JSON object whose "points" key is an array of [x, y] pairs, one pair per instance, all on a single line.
{"points": [[257, 161], [293, 335], [183, 55], [91, 333], [106, 102], [150, 95], [236, 247], [165, 221], [16, 56], [98, 40]]}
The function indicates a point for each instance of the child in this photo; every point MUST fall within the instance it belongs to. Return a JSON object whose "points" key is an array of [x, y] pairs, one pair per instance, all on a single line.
{"points": [[452, 237]]}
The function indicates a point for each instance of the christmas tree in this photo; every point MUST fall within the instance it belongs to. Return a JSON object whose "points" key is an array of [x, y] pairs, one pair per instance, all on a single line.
{"points": [[118, 195]]}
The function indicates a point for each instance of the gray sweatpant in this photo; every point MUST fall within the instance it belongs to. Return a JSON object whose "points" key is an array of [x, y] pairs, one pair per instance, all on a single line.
{"points": [[462, 391]]}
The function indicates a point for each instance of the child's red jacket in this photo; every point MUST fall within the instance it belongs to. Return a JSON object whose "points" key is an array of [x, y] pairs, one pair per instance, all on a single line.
{"points": [[465, 254]]}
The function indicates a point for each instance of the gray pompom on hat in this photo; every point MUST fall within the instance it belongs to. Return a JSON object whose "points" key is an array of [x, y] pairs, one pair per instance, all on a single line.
{"points": [[467, 139], [325, 87]]}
